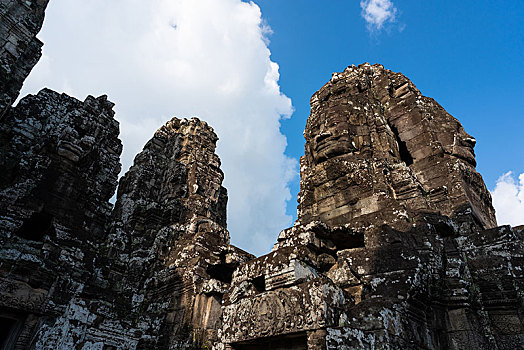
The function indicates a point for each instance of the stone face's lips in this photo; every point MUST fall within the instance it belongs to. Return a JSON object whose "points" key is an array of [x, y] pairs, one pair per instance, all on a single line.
{"points": [[327, 146]]}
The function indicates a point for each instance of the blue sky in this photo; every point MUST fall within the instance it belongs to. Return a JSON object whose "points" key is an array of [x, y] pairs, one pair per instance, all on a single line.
{"points": [[467, 55], [219, 60]]}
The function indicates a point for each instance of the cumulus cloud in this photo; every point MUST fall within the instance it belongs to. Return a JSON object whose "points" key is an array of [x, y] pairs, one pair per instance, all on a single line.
{"points": [[205, 58], [377, 12], [508, 200]]}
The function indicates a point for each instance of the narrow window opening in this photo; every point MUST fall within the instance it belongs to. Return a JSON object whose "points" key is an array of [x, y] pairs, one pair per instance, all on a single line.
{"points": [[36, 227], [405, 156], [346, 239], [259, 283]]}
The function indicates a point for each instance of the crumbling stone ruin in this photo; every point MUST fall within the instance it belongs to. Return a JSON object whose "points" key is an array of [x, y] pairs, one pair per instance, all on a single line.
{"points": [[20, 49], [396, 245]]}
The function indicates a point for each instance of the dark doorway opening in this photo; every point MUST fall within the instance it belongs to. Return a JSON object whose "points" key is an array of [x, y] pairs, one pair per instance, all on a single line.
{"points": [[37, 226], [221, 272], [9, 330], [347, 239]]}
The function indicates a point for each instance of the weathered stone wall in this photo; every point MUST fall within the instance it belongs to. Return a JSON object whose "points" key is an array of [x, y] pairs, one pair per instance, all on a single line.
{"points": [[168, 241], [20, 50], [392, 217], [495, 262], [60, 162]]}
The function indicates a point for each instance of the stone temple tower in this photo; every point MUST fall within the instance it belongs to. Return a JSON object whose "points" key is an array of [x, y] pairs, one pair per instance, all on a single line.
{"points": [[395, 246], [378, 151]]}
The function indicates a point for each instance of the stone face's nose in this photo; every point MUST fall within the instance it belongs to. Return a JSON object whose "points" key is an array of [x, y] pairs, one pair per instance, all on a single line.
{"points": [[468, 139]]}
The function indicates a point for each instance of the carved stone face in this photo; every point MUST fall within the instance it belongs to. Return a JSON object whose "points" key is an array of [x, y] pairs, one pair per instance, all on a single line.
{"points": [[330, 138], [463, 146]]}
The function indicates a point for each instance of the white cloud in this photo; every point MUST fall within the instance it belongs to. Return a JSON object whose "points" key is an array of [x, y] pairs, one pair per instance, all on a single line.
{"points": [[377, 13], [508, 200], [158, 59]]}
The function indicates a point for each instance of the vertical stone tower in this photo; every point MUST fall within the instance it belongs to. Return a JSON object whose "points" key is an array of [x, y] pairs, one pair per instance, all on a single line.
{"points": [[168, 240], [60, 162], [395, 246], [379, 152]]}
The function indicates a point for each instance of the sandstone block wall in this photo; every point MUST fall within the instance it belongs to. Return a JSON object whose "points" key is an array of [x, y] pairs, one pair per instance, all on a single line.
{"points": [[394, 218], [60, 162]]}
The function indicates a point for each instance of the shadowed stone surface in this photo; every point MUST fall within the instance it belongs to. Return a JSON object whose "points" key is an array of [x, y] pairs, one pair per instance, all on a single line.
{"points": [[60, 162], [20, 50]]}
